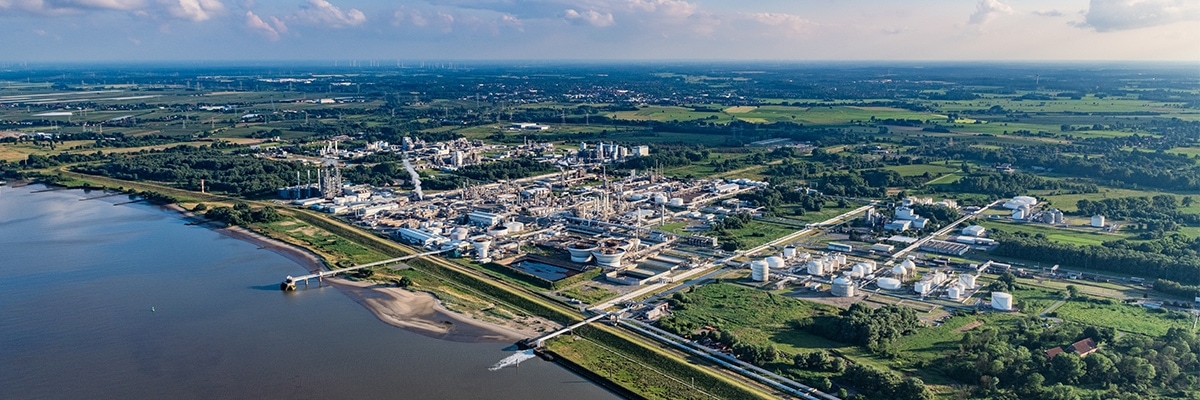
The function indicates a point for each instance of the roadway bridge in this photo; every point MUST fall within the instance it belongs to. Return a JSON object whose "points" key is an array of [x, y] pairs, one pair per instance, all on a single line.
{"points": [[289, 283]]}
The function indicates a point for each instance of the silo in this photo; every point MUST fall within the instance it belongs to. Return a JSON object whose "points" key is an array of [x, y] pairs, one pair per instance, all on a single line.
{"points": [[843, 287], [760, 271], [1002, 301]]}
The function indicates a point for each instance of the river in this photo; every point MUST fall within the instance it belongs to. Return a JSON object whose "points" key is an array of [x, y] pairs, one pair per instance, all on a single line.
{"points": [[100, 299]]}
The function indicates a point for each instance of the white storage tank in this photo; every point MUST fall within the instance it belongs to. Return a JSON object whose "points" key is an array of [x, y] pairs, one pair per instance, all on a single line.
{"points": [[460, 233], [759, 271], [514, 226], [909, 265], [482, 245], [581, 252], [660, 199], [955, 292], [1018, 214], [967, 281], [923, 287], [774, 262], [1002, 301], [789, 252], [816, 267], [888, 283], [1097, 221], [497, 231], [843, 287], [860, 270], [675, 202]]}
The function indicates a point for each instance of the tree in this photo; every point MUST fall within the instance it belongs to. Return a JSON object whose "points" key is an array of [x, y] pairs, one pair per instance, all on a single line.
{"points": [[200, 207], [405, 282], [1072, 292], [1068, 368]]}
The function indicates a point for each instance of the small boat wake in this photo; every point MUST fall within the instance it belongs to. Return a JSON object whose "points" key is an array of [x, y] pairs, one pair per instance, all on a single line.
{"points": [[512, 360]]}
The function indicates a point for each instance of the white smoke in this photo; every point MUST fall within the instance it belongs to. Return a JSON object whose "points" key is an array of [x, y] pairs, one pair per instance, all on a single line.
{"points": [[514, 359], [416, 179]]}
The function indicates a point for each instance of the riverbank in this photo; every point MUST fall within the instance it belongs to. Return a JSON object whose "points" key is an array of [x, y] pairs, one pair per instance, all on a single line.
{"points": [[418, 312]]}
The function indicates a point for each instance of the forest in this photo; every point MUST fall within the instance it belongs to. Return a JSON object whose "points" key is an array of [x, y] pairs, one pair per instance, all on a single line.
{"points": [[185, 166]]}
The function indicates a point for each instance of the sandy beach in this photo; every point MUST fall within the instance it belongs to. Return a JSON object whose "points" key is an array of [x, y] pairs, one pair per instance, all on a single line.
{"points": [[418, 312]]}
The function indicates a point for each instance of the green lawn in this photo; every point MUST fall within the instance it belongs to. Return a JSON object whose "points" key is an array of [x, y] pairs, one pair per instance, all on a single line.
{"points": [[757, 233]]}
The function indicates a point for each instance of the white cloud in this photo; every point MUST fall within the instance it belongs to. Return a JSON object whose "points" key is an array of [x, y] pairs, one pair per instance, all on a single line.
{"points": [[256, 24], [986, 10], [1048, 13], [667, 8], [195, 10], [1118, 15], [321, 12], [790, 23], [590, 17]]}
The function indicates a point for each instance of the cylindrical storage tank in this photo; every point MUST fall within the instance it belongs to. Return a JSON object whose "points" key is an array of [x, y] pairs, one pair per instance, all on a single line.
{"points": [[862, 270], [759, 271], [900, 271], [789, 252], [775, 262], [923, 287], [1002, 301], [967, 280], [909, 265], [497, 231], [660, 199], [514, 226], [482, 245], [888, 283], [843, 287], [803, 257], [939, 278], [815, 267], [675, 202], [954, 292]]}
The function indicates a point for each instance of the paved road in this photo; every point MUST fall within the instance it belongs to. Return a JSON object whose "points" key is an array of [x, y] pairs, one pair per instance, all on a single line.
{"points": [[940, 232]]}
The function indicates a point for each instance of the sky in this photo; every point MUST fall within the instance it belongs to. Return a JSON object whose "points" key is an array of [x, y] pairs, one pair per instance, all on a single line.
{"points": [[616, 30]]}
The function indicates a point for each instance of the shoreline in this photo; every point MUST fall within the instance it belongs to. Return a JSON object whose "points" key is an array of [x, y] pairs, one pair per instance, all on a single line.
{"points": [[417, 312]]}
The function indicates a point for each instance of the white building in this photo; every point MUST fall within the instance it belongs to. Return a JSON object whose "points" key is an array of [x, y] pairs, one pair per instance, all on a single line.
{"points": [[905, 213], [483, 219], [973, 230], [1019, 201], [641, 151]]}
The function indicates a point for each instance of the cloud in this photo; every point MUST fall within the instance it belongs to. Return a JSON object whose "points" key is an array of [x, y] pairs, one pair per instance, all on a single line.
{"points": [[191, 10], [667, 8], [590, 17], [1118, 15], [793, 24], [321, 12], [256, 24], [195, 10], [986, 10], [1048, 13]]}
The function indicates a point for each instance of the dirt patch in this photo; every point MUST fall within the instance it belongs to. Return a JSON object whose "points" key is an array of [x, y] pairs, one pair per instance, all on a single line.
{"points": [[969, 326]]}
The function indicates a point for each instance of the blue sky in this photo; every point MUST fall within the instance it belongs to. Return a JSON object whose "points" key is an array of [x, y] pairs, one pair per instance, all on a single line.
{"points": [[167, 30]]}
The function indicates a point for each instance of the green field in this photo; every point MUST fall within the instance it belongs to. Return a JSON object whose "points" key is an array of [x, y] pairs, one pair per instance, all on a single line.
{"points": [[1055, 234], [757, 233], [920, 169], [754, 316], [1123, 317]]}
